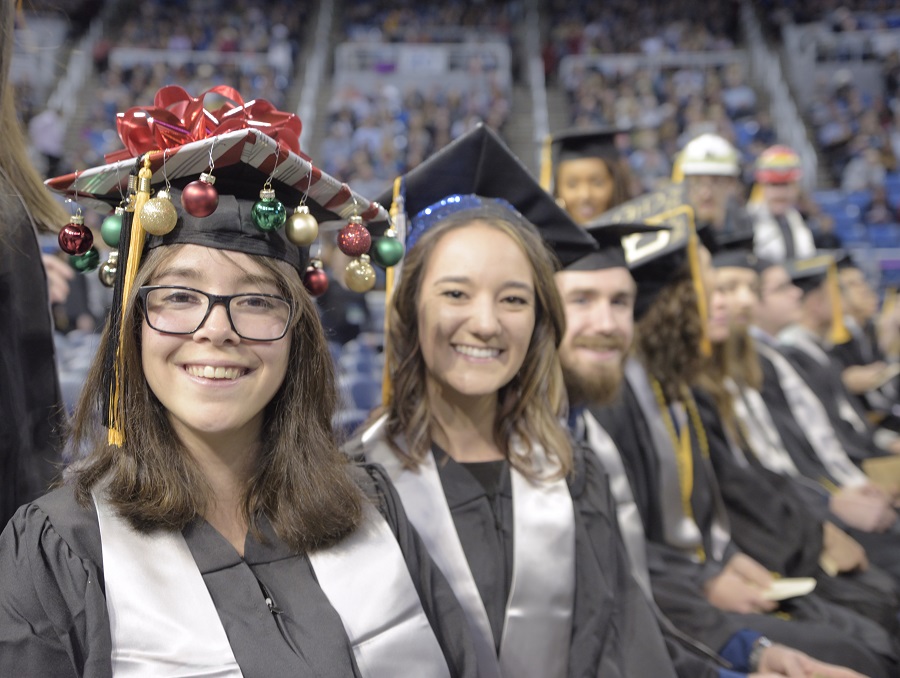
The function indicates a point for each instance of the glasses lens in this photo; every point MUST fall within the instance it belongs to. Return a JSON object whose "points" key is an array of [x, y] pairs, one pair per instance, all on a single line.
{"points": [[260, 317], [177, 310]]}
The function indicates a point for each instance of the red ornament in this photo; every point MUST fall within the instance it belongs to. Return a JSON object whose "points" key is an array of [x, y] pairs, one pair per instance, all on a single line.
{"points": [[75, 238], [315, 280], [354, 239], [200, 198]]}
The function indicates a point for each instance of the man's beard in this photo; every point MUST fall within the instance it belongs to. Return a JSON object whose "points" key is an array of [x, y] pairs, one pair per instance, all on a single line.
{"points": [[600, 384]]}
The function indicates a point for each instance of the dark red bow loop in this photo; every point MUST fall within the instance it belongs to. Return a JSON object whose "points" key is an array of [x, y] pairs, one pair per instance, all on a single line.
{"points": [[177, 118]]}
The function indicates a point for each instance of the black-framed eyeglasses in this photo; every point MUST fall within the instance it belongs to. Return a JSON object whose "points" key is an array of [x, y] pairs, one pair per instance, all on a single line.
{"points": [[174, 309]]}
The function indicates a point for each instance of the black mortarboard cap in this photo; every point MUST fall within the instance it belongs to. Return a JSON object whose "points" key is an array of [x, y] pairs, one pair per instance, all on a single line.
{"points": [[610, 251], [574, 144], [734, 249], [814, 272], [655, 258], [479, 164]]}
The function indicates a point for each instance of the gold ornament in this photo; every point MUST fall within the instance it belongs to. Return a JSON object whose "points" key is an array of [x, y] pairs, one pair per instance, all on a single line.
{"points": [[302, 228], [107, 272], [360, 276], [158, 215]]}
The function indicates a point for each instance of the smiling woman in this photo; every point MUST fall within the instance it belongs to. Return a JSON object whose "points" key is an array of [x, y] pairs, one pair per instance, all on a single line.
{"points": [[212, 526], [472, 435]]}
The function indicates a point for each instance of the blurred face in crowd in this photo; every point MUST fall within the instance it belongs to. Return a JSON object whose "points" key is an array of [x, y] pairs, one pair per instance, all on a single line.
{"points": [[858, 297], [717, 323], [476, 311], [709, 196], [740, 289], [779, 300], [599, 309], [584, 188], [780, 198]]}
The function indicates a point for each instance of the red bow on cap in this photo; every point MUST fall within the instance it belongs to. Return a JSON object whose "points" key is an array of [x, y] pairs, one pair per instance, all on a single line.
{"points": [[177, 118]]}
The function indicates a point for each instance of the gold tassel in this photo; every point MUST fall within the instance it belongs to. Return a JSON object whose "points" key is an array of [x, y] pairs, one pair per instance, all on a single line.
{"points": [[547, 163], [677, 171], [116, 434], [699, 290], [839, 332], [387, 385]]}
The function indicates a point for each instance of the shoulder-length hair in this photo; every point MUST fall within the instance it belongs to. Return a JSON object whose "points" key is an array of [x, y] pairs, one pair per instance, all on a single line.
{"points": [[531, 405], [302, 483], [17, 174], [667, 337], [736, 359]]}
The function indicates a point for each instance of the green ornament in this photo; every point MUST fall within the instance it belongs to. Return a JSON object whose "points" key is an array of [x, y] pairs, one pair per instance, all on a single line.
{"points": [[388, 251], [111, 228], [88, 261], [268, 213]]}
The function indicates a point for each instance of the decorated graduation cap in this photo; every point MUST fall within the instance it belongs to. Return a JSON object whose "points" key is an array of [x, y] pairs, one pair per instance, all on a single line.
{"points": [[811, 274], [221, 177], [656, 257], [575, 144], [475, 170]]}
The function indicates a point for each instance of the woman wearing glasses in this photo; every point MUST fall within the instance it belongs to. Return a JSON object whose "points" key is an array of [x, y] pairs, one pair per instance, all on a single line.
{"points": [[216, 530]]}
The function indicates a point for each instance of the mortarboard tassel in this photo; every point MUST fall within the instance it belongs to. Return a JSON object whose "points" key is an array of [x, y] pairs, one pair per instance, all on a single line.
{"points": [[547, 163], [115, 313], [130, 254], [392, 273], [697, 279], [839, 332]]}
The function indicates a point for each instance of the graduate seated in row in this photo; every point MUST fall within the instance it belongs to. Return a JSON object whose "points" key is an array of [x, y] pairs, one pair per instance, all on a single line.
{"points": [[211, 525], [774, 516], [701, 580]]}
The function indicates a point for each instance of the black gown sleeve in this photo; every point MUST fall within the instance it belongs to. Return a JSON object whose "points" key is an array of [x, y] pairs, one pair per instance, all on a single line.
{"points": [[441, 607], [769, 521], [615, 632], [53, 617]]}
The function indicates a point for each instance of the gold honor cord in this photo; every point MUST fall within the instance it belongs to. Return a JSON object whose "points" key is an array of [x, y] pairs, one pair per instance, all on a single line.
{"points": [[116, 435], [684, 457]]}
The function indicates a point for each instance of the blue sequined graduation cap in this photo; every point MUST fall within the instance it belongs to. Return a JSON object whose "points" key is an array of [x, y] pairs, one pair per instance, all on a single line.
{"points": [[476, 169]]}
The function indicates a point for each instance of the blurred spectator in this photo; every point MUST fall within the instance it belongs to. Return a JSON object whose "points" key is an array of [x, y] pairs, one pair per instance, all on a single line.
{"points": [[880, 211], [46, 131], [863, 172]]}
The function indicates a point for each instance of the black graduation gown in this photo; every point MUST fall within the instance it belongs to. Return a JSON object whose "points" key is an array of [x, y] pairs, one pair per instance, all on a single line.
{"points": [[54, 620], [883, 549], [614, 632], [823, 630], [827, 384], [863, 349], [30, 401], [772, 522]]}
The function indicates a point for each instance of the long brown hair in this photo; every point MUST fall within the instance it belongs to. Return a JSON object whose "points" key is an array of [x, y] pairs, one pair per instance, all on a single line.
{"points": [[302, 483], [667, 337], [530, 406], [735, 358], [16, 171]]}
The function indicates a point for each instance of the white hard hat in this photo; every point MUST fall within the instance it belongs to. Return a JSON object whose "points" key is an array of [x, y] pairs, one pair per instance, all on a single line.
{"points": [[710, 154]]}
